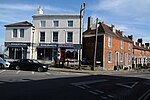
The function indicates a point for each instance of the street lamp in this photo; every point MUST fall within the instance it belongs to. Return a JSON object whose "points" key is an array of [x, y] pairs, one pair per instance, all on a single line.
{"points": [[82, 8]]}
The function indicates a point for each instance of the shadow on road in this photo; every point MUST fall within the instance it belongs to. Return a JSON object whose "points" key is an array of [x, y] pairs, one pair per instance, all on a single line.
{"points": [[94, 87]]}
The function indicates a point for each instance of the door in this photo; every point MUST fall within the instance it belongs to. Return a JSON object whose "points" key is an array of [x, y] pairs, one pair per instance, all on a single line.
{"points": [[117, 58], [126, 59]]}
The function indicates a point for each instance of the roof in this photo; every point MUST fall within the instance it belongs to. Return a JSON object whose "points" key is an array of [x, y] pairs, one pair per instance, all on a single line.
{"points": [[19, 24], [55, 15], [140, 48], [103, 28]]}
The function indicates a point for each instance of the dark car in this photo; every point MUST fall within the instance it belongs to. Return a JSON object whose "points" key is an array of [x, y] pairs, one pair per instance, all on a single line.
{"points": [[28, 64]]}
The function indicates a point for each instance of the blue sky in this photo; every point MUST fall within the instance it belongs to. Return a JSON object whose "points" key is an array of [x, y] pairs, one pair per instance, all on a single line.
{"points": [[130, 16]]}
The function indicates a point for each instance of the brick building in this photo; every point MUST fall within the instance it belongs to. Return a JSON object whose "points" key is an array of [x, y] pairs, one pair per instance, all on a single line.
{"points": [[141, 54], [113, 48]]}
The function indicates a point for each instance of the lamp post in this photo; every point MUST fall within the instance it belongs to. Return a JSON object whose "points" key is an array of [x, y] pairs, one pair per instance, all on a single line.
{"points": [[82, 8]]}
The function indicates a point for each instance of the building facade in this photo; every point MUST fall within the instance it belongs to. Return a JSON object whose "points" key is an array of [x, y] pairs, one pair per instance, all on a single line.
{"points": [[18, 40], [50, 37], [113, 49], [141, 54]]}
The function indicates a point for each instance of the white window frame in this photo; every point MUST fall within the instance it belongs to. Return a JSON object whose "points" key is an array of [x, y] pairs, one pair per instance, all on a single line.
{"points": [[121, 44], [53, 36], [67, 37], [16, 33], [70, 25], [40, 36], [121, 57], [23, 33], [43, 23], [57, 23], [109, 41], [129, 45], [109, 54]]}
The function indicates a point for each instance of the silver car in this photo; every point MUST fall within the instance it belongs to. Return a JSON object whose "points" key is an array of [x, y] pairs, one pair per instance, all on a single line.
{"points": [[4, 64]]}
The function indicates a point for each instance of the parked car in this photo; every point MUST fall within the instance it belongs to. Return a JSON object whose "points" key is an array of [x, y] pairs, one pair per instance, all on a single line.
{"points": [[28, 64], [4, 63], [6, 57]]}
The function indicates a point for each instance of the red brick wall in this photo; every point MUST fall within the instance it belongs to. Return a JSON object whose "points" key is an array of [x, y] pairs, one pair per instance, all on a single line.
{"points": [[116, 48]]}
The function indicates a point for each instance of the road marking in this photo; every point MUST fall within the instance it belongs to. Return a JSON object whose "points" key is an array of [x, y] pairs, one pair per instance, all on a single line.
{"points": [[87, 86], [127, 84], [103, 97], [88, 82], [18, 72], [145, 95], [80, 87], [99, 91], [48, 73], [110, 96], [32, 72], [93, 92], [2, 71]]}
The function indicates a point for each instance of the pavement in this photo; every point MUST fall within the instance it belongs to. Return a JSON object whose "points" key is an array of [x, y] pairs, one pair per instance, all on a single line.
{"points": [[97, 72]]}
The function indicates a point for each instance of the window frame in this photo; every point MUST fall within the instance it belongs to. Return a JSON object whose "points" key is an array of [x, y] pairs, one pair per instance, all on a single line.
{"points": [[53, 38], [56, 24], [21, 36], [109, 57], [42, 40], [121, 44], [43, 23], [15, 33], [69, 39], [70, 23], [109, 41], [121, 57]]}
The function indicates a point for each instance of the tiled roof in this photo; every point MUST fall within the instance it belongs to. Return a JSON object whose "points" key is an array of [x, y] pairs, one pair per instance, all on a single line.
{"points": [[20, 24], [103, 28], [140, 48]]}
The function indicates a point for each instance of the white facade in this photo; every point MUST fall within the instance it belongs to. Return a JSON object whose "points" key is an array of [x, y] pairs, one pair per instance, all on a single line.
{"points": [[47, 37]]}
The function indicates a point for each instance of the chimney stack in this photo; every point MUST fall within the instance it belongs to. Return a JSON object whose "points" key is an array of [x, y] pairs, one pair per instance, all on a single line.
{"points": [[147, 45], [40, 10], [130, 37], [140, 40], [113, 28], [90, 22]]}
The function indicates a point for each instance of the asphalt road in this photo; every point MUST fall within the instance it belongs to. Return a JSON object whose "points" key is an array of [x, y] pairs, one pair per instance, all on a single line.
{"points": [[29, 85]]}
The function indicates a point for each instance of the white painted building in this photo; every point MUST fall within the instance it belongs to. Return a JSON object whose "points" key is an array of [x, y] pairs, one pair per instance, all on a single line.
{"points": [[50, 37]]}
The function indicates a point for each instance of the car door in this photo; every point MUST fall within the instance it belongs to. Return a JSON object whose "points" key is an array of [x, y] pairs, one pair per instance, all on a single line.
{"points": [[30, 64]]}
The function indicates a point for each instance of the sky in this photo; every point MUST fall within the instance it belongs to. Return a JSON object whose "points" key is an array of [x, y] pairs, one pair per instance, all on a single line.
{"points": [[130, 16]]}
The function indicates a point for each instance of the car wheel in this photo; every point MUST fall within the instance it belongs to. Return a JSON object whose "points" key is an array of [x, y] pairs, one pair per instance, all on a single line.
{"points": [[1, 66], [17, 67], [40, 69]]}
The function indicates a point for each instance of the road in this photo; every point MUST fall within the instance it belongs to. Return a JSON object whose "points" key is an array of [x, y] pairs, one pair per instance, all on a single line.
{"points": [[29, 85]]}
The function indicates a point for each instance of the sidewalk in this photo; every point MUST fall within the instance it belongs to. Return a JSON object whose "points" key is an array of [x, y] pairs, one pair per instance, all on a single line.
{"points": [[96, 72]]}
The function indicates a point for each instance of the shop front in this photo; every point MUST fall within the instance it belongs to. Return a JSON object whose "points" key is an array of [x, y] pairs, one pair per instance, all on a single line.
{"points": [[69, 52], [17, 50], [46, 51]]}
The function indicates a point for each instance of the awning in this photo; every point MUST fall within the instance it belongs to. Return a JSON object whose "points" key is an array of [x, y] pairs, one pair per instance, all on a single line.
{"points": [[17, 46]]}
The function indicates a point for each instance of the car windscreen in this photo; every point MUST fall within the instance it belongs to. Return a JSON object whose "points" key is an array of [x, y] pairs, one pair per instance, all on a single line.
{"points": [[35, 61]]}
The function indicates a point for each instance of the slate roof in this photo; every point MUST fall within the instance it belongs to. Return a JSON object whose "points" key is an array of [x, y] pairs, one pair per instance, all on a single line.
{"points": [[20, 24]]}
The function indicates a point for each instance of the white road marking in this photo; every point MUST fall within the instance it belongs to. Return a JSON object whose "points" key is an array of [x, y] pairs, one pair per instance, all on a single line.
{"points": [[99, 91], [80, 87], [87, 86], [32, 72], [127, 86], [2, 71], [88, 82], [48, 73], [103, 97], [110, 96], [145, 95], [18, 72], [93, 92]]}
